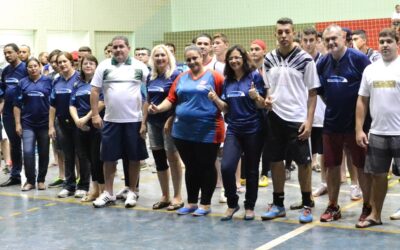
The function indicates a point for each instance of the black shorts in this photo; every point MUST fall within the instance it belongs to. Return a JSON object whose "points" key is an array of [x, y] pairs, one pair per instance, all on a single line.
{"points": [[283, 143], [316, 141]]}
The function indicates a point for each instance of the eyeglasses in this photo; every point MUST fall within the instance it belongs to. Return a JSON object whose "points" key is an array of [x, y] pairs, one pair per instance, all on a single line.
{"points": [[236, 58]]}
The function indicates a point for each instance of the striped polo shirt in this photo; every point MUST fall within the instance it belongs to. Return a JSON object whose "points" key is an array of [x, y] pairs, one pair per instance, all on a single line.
{"points": [[122, 89]]}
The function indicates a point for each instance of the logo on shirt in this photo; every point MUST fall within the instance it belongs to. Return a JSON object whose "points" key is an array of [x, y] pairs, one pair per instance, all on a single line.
{"points": [[203, 85], [336, 79], [35, 94], [63, 91], [82, 93], [233, 94], [12, 81], [384, 84], [155, 89]]}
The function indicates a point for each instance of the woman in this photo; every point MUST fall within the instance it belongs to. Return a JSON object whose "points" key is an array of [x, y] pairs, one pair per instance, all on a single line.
{"points": [[242, 101], [198, 129], [161, 144], [87, 137], [31, 112], [59, 108]]}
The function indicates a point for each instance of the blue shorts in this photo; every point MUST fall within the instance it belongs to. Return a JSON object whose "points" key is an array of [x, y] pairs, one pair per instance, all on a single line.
{"points": [[122, 140], [158, 139]]}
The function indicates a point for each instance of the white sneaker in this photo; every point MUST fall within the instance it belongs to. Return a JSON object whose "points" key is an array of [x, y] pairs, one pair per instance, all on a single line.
{"points": [[104, 200], [395, 216], [131, 199], [80, 193], [321, 190], [121, 194], [222, 198], [65, 193], [355, 193]]}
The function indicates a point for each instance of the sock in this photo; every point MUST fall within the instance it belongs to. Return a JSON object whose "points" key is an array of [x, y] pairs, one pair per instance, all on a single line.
{"points": [[278, 199], [306, 196]]}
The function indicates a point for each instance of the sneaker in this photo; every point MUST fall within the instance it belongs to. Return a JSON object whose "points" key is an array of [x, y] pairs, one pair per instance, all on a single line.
{"points": [[288, 174], [6, 169], [131, 199], [57, 183], [323, 189], [121, 194], [143, 165], [65, 193], [300, 205], [222, 198], [242, 182], [201, 212], [80, 193], [396, 215], [273, 212], [263, 182], [366, 210], [306, 215], [104, 200], [331, 213], [292, 167], [355, 193], [41, 186]]}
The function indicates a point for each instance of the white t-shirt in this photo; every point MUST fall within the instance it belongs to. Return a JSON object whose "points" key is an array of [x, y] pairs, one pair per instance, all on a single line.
{"points": [[381, 82], [289, 80], [395, 15], [211, 64], [319, 113], [122, 89]]}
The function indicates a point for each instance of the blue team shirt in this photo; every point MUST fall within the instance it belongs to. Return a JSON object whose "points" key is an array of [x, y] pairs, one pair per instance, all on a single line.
{"points": [[196, 117], [61, 95], [10, 78], [33, 98], [243, 116], [157, 91], [80, 98], [340, 82]]}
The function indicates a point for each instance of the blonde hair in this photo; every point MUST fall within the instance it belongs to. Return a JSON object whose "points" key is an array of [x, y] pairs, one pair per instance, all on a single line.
{"points": [[171, 62]]}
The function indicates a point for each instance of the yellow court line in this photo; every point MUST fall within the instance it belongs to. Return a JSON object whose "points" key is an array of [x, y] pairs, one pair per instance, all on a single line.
{"points": [[50, 204], [16, 214], [33, 209]]}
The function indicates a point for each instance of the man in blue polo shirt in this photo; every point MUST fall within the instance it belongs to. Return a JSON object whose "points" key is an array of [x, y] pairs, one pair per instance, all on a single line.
{"points": [[10, 77], [340, 73]]}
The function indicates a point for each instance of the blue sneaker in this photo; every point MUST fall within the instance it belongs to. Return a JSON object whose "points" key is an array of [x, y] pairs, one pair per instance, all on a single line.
{"points": [[201, 212], [273, 212], [306, 215], [186, 210]]}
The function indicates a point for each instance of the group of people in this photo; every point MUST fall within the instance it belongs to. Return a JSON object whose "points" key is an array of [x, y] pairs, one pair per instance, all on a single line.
{"points": [[236, 103]]}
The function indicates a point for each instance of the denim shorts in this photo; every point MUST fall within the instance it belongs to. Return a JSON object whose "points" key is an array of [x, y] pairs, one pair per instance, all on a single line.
{"points": [[158, 139]]}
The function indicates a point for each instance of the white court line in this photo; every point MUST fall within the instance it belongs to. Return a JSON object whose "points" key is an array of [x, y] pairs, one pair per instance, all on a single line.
{"points": [[286, 237]]}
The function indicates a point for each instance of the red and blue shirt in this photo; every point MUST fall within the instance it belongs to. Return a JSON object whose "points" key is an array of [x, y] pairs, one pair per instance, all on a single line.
{"points": [[196, 117]]}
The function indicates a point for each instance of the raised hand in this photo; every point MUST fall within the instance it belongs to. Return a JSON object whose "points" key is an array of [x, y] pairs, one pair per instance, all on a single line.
{"points": [[253, 92]]}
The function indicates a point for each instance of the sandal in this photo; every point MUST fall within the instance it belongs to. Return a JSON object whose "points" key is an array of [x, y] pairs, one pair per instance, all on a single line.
{"points": [[368, 223], [175, 206], [161, 204]]}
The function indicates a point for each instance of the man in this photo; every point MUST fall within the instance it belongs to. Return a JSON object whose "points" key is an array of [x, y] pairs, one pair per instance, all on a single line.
{"points": [[120, 79], [340, 73], [24, 52], [379, 92], [203, 41], [108, 51], [258, 50], [360, 42], [15, 71], [220, 45], [181, 67], [143, 55], [291, 76], [82, 51], [348, 36], [309, 41]]}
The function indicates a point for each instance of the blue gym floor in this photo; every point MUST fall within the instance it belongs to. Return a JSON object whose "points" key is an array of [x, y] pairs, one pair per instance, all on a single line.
{"points": [[39, 220]]}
